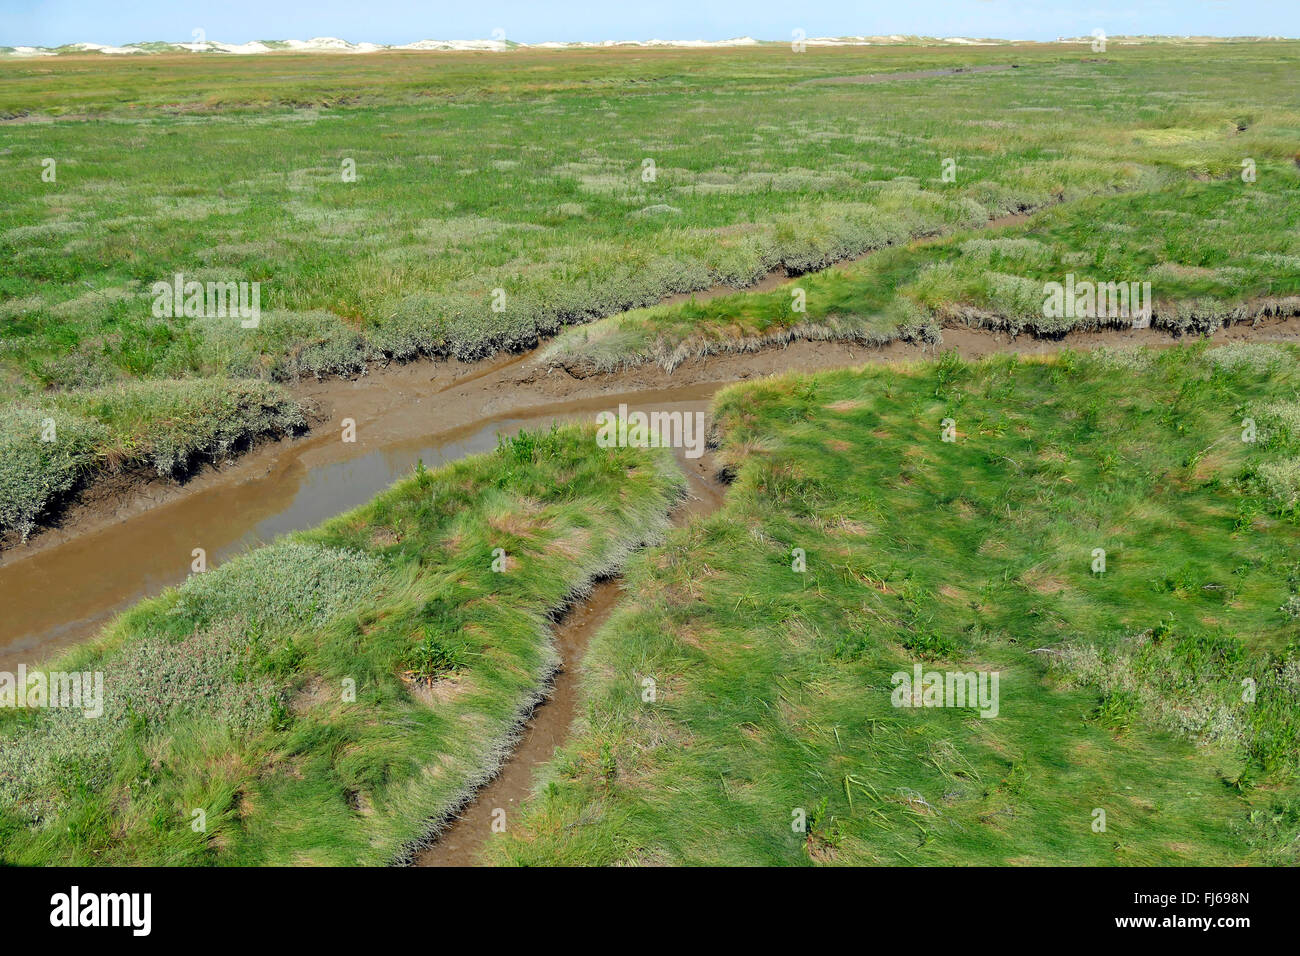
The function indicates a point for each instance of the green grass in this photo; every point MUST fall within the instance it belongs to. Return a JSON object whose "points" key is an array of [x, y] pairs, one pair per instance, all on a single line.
{"points": [[230, 693], [523, 173], [54, 442], [1120, 691], [101, 87], [1219, 252]]}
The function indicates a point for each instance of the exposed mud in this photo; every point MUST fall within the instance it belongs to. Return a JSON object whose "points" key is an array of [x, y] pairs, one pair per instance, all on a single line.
{"points": [[551, 722], [546, 729], [116, 496], [69, 582]]}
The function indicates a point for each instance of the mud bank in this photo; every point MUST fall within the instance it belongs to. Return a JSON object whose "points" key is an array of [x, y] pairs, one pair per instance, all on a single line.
{"points": [[112, 497], [66, 584], [550, 724]]}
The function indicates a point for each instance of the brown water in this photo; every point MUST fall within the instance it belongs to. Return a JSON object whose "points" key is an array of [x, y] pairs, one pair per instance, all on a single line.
{"points": [[60, 595], [58, 592], [57, 596], [67, 585]]}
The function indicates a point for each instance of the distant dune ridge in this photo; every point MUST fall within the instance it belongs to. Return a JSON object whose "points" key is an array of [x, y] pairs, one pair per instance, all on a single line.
{"points": [[335, 45]]}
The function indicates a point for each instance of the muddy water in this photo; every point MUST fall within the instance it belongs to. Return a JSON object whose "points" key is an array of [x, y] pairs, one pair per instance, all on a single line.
{"points": [[62, 595], [69, 582], [65, 585], [58, 596], [550, 723]]}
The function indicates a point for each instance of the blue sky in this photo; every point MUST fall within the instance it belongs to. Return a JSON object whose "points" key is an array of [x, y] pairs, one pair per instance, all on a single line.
{"points": [[51, 22]]}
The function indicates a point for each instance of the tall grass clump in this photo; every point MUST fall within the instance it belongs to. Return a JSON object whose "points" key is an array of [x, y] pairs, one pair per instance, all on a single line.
{"points": [[166, 425], [285, 347], [282, 585], [169, 423]]}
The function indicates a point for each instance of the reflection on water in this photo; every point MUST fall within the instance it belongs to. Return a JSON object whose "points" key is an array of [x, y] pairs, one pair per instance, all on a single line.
{"points": [[332, 489]]}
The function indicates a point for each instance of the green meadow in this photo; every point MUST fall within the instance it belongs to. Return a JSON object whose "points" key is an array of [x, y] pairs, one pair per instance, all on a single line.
{"points": [[398, 206], [1211, 253], [1160, 687], [1114, 534], [331, 698]]}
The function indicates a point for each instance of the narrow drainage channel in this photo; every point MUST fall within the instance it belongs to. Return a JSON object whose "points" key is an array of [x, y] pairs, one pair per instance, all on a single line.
{"points": [[551, 723], [546, 729], [58, 595], [66, 588]]}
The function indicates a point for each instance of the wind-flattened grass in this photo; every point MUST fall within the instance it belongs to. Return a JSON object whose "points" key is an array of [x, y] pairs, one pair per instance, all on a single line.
{"points": [[332, 697], [1121, 691], [524, 173]]}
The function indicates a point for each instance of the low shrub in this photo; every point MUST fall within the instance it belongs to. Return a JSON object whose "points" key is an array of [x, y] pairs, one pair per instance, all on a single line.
{"points": [[286, 584], [151, 682], [167, 423], [164, 423], [33, 471]]}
